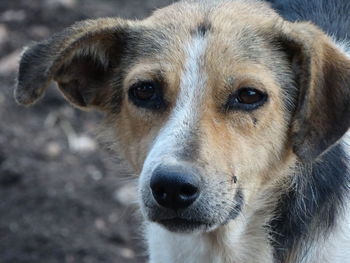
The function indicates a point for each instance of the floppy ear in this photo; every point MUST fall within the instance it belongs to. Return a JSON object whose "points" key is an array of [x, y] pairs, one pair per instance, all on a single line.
{"points": [[322, 74], [81, 59]]}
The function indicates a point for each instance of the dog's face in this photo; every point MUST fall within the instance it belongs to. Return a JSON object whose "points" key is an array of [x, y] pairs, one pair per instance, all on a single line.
{"points": [[205, 115], [209, 101]]}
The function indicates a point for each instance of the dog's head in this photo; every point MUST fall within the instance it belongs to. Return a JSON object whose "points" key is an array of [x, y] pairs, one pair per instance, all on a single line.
{"points": [[209, 101]]}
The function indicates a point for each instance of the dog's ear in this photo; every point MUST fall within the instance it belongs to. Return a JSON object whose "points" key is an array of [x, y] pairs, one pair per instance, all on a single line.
{"points": [[81, 59], [322, 73]]}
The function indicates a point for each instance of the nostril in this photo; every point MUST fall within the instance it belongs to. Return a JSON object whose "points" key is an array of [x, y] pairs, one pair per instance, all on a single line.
{"points": [[160, 192], [188, 191]]}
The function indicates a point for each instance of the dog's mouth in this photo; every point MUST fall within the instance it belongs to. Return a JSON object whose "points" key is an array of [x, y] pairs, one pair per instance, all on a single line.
{"points": [[194, 219], [178, 224]]}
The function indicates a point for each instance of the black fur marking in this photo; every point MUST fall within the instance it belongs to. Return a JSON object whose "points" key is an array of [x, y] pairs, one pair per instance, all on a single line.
{"points": [[234, 179], [315, 199], [203, 28]]}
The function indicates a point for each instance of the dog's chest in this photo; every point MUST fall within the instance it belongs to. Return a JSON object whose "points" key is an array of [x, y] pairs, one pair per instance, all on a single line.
{"points": [[167, 247], [173, 248]]}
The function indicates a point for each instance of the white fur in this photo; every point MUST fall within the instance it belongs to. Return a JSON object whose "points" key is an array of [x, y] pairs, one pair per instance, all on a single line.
{"points": [[184, 115], [231, 243]]}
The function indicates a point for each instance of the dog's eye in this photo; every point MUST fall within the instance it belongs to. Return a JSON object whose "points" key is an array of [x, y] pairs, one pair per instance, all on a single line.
{"points": [[249, 96], [246, 99], [146, 94], [143, 91]]}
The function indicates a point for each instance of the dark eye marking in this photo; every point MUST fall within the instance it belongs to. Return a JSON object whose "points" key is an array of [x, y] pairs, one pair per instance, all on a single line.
{"points": [[246, 99], [147, 94]]}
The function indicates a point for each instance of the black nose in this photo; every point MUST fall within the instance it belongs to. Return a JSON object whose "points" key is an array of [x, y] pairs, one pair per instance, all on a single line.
{"points": [[174, 187]]}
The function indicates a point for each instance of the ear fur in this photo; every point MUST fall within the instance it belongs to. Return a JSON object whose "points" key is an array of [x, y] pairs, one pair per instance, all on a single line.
{"points": [[322, 74], [80, 59]]}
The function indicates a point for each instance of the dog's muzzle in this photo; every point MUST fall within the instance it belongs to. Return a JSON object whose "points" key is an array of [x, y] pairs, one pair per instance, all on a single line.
{"points": [[177, 197], [171, 195]]}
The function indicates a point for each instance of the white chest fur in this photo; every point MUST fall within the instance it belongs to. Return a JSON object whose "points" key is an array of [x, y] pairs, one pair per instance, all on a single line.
{"points": [[232, 243]]}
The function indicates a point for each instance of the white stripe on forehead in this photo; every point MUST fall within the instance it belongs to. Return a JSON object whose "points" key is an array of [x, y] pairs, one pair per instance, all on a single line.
{"points": [[174, 135], [193, 78]]}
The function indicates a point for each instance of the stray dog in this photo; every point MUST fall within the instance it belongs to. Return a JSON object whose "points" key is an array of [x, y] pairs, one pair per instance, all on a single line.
{"points": [[233, 116]]}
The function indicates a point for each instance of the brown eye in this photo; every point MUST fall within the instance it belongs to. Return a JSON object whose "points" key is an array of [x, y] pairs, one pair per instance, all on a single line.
{"points": [[249, 96], [143, 91], [246, 99], [147, 94]]}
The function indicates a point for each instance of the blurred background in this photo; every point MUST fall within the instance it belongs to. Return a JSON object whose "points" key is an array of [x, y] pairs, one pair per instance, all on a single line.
{"points": [[62, 198]]}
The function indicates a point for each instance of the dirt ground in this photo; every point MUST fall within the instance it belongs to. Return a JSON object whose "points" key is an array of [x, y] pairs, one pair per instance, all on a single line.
{"points": [[62, 198]]}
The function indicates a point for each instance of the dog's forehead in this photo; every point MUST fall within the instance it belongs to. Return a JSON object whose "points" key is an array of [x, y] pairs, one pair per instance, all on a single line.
{"points": [[227, 15], [233, 30]]}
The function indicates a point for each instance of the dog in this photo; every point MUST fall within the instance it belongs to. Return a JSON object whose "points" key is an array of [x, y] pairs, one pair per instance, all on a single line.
{"points": [[233, 112]]}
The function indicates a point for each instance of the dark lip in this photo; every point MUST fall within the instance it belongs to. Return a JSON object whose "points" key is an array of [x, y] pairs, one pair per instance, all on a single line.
{"points": [[178, 224], [181, 221]]}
